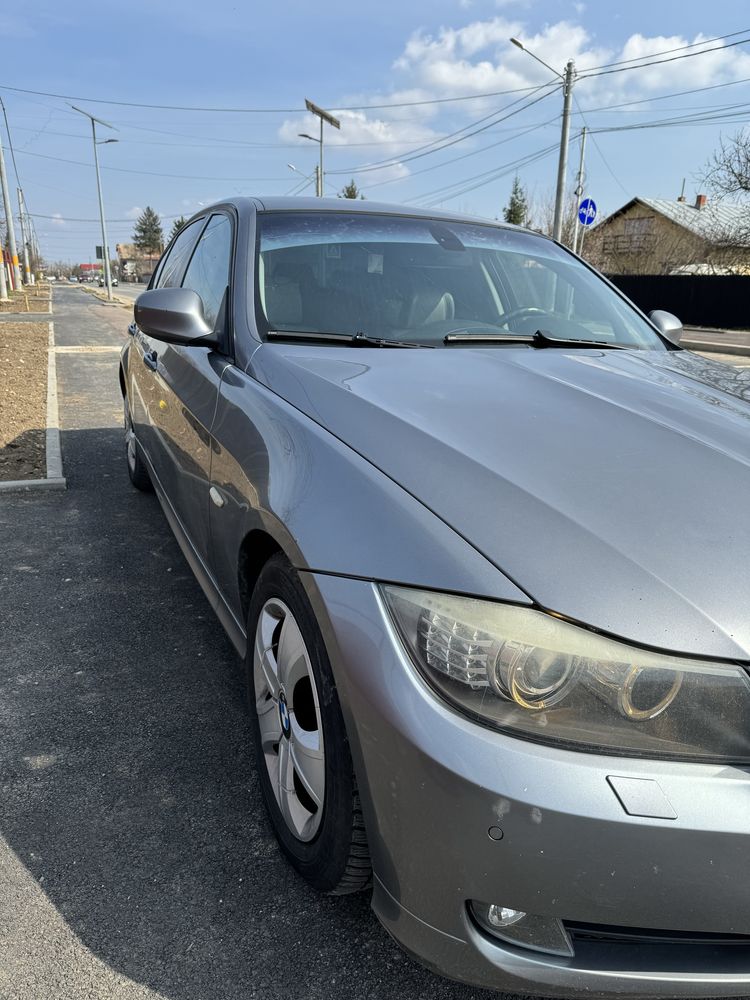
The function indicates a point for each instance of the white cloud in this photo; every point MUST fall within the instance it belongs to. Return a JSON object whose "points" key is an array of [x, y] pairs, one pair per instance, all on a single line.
{"points": [[133, 213], [359, 129], [57, 219], [477, 58]]}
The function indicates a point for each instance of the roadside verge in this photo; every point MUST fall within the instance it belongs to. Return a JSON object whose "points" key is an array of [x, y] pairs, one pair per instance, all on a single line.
{"points": [[54, 478]]}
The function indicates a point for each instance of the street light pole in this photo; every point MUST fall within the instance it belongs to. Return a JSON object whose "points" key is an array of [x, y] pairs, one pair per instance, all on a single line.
{"points": [[324, 117], [562, 164], [105, 248]]}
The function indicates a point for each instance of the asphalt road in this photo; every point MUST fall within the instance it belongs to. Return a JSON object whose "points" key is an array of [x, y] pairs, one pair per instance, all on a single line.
{"points": [[128, 290], [135, 857]]}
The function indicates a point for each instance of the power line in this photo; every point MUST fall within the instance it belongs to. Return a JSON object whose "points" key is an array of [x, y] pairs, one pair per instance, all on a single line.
{"points": [[485, 177], [425, 150], [465, 156], [602, 157], [58, 218], [268, 111], [659, 62], [150, 173], [665, 52]]}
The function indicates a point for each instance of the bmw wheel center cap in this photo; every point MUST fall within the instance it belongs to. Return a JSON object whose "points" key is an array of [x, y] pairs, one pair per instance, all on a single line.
{"points": [[286, 726]]}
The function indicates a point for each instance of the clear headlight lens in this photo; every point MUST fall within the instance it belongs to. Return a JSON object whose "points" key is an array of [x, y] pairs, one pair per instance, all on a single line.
{"points": [[525, 671]]}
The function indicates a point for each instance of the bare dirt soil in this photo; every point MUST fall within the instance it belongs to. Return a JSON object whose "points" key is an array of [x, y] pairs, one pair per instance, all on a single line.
{"points": [[31, 298], [23, 400]]}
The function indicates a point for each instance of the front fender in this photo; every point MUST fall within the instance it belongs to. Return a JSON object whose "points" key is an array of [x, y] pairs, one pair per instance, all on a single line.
{"points": [[328, 508]]}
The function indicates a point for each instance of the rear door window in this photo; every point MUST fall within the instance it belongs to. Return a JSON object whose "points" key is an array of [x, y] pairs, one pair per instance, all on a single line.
{"points": [[208, 271], [173, 265]]}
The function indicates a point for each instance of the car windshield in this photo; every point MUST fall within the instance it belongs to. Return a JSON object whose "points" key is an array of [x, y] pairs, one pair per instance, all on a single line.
{"points": [[421, 281]]}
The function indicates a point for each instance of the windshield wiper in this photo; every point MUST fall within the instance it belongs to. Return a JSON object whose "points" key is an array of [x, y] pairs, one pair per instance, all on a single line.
{"points": [[539, 339], [354, 340]]}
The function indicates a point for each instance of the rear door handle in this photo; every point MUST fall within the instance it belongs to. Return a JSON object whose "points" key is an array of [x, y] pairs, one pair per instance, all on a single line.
{"points": [[151, 360]]}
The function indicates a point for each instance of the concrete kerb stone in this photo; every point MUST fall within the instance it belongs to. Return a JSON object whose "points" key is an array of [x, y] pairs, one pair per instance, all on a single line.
{"points": [[54, 480], [102, 296], [713, 347]]}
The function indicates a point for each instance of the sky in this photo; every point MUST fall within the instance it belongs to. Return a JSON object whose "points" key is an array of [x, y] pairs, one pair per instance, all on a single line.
{"points": [[117, 61]]}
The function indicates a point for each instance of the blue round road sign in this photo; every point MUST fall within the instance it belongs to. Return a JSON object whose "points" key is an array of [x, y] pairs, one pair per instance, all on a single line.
{"points": [[587, 211]]}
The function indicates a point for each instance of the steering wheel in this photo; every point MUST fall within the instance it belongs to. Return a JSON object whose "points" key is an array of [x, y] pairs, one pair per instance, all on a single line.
{"points": [[525, 312]]}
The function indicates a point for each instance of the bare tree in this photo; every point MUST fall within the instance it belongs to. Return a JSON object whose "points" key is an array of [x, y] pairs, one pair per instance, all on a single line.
{"points": [[728, 170], [727, 175], [541, 216]]}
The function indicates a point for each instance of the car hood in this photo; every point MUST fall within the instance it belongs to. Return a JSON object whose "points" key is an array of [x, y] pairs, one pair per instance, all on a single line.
{"points": [[613, 487]]}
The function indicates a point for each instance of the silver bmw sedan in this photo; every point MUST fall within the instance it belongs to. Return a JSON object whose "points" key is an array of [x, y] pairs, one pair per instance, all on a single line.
{"points": [[479, 529]]}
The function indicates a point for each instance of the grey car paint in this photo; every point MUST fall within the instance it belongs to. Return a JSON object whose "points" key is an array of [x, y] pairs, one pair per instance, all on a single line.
{"points": [[508, 473], [561, 452]]}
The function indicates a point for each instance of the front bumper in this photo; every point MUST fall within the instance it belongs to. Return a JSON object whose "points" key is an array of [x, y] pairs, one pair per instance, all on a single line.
{"points": [[432, 785]]}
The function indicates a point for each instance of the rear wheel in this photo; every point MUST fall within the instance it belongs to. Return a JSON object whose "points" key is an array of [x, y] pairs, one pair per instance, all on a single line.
{"points": [[304, 763], [137, 470]]}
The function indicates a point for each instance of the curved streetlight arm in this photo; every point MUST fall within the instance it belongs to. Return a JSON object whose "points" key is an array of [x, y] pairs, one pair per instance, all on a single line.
{"points": [[519, 45]]}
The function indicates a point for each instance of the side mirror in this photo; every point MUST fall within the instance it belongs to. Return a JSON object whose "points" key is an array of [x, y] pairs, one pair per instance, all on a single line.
{"points": [[667, 325], [174, 315]]}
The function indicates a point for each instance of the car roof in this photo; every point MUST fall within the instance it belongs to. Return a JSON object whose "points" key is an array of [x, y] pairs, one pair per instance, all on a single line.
{"points": [[276, 203]]}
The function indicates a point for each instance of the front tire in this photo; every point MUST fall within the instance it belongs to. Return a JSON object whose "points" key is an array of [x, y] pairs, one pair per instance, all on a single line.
{"points": [[137, 470], [304, 764]]}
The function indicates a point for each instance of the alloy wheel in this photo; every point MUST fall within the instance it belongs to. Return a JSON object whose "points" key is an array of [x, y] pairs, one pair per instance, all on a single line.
{"points": [[291, 732], [129, 437]]}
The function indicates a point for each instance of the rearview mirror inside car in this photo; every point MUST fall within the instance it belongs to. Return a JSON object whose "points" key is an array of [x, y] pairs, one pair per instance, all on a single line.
{"points": [[174, 315], [667, 325]]}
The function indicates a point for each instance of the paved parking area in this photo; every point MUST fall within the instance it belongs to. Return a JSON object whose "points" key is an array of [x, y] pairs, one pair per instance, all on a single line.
{"points": [[135, 857]]}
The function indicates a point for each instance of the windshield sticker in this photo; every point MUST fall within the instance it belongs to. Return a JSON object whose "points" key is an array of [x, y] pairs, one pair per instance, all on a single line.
{"points": [[375, 263], [333, 250]]}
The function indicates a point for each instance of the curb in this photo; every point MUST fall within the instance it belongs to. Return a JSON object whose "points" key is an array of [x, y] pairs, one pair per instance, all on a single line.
{"points": [[713, 347], [54, 479], [116, 300]]}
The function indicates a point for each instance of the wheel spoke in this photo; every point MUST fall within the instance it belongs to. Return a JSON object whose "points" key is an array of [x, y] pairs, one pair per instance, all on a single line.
{"points": [[287, 794], [264, 662], [310, 767], [269, 723], [292, 654]]}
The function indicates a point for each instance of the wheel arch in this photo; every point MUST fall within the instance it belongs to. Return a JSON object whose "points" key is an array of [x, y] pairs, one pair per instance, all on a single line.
{"points": [[257, 547]]}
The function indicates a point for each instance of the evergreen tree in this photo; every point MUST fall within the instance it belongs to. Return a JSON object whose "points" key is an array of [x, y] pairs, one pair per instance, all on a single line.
{"points": [[517, 209], [148, 235], [177, 225], [350, 190]]}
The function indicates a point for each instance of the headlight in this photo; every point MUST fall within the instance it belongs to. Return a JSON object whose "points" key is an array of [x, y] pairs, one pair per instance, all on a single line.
{"points": [[538, 676]]}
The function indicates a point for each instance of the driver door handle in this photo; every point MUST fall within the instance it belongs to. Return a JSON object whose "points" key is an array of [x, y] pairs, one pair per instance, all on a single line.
{"points": [[151, 360]]}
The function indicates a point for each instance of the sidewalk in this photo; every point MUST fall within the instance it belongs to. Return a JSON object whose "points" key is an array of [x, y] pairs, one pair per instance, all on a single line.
{"points": [[734, 342]]}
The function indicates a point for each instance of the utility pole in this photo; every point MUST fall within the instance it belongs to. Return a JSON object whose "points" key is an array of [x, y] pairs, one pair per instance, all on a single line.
{"points": [[3, 280], [26, 268], [105, 248], [324, 117], [562, 163], [579, 193], [9, 221]]}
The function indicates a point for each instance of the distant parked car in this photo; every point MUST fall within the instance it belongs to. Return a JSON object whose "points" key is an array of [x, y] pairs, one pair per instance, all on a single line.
{"points": [[102, 282], [475, 523]]}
